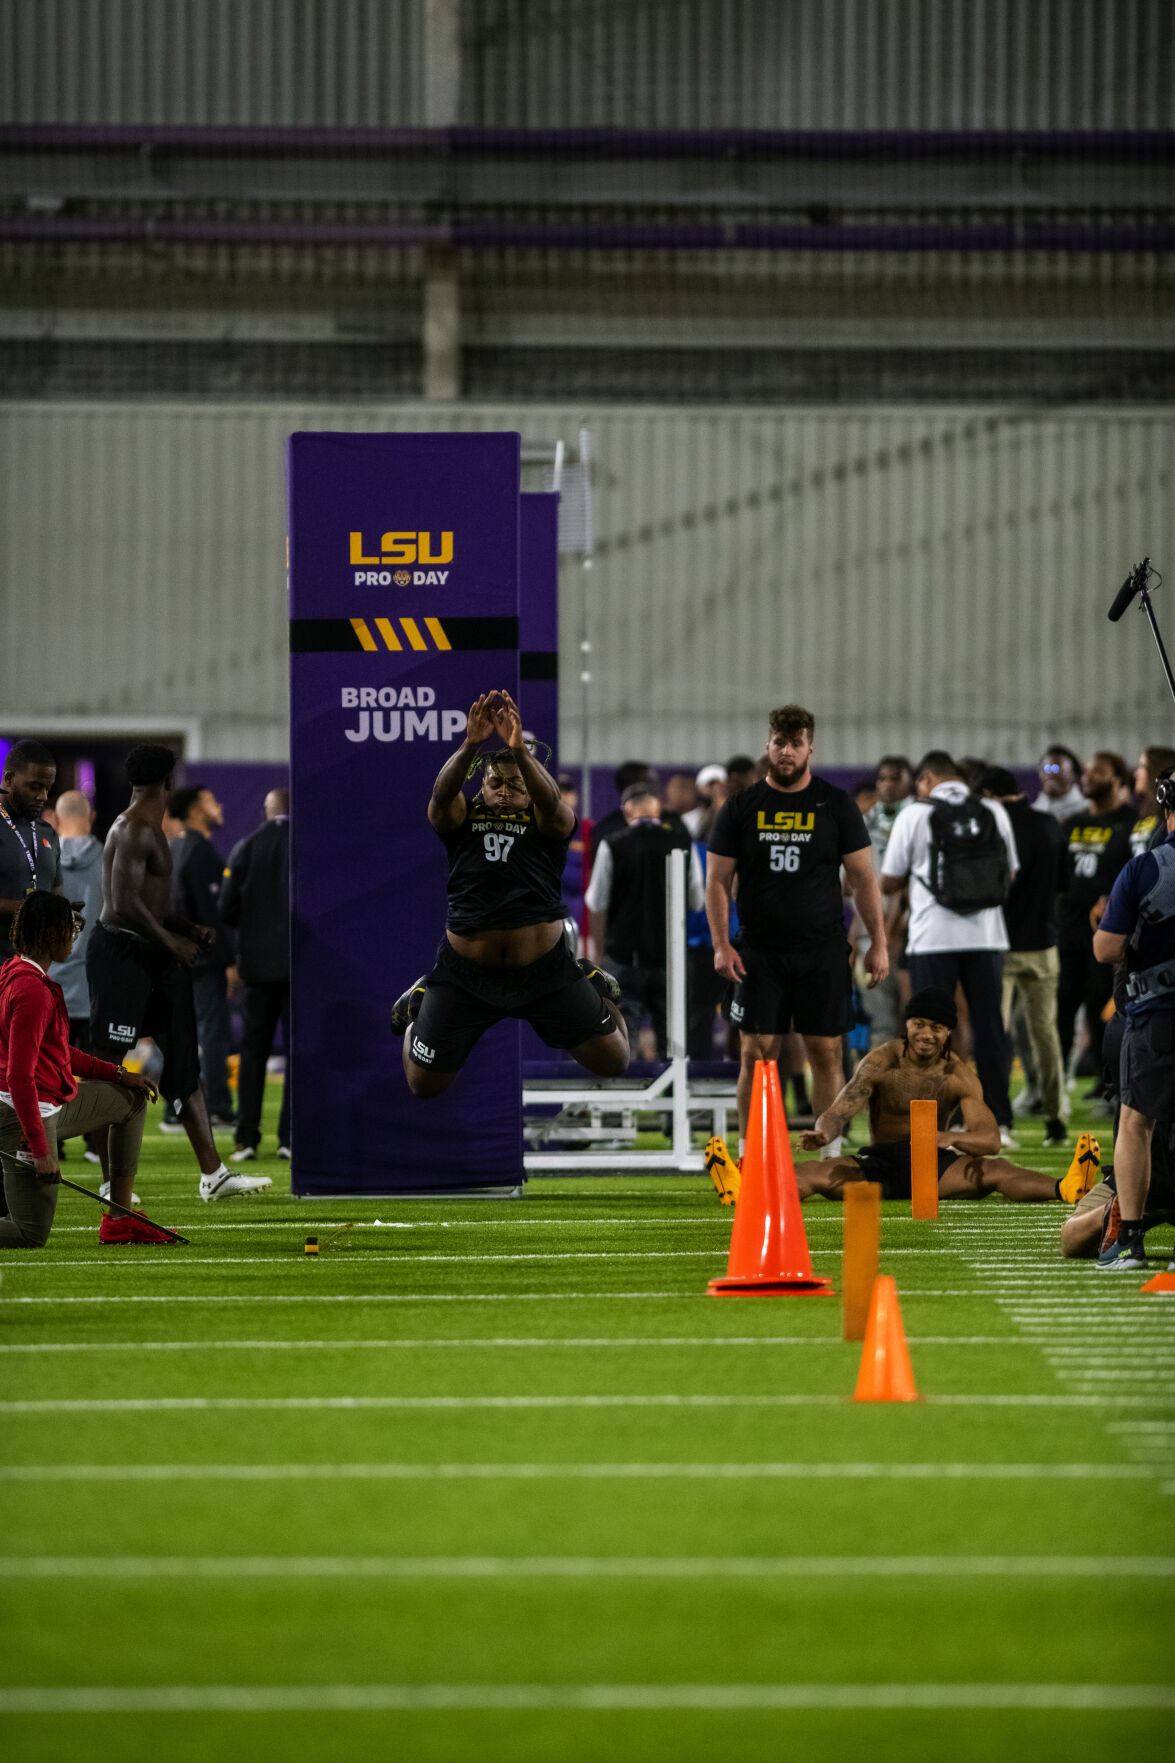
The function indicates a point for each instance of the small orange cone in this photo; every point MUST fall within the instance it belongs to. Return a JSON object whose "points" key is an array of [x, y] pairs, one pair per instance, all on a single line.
{"points": [[885, 1374], [768, 1247], [1162, 1282]]}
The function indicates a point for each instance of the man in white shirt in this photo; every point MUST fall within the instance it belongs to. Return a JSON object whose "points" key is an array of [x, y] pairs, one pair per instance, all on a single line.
{"points": [[949, 947]]}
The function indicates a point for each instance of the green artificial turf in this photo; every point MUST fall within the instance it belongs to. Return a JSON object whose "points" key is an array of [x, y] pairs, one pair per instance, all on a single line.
{"points": [[505, 1482]]}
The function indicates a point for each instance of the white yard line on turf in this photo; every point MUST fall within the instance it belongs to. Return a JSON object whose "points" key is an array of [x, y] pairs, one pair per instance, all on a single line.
{"points": [[258, 1404], [220, 1298], [351, 1262], [523, 1698], [642, 1341], [263, 1472], [703, 1567]]}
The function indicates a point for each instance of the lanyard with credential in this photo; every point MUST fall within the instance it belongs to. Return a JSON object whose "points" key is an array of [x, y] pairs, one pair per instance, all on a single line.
{"points": [[30, 854]]}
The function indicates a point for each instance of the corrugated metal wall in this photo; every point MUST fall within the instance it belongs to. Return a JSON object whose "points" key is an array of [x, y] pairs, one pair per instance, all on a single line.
{"points": [[914, 577], [273, 62], [818, 64], [821, 64]]}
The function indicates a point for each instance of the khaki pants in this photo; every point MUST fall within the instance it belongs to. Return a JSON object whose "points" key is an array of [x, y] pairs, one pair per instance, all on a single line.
{"points": [[1034, 974], [31, 1202]]}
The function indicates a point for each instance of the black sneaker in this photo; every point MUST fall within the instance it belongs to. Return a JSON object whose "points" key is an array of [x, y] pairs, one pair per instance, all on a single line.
{"points": [[1055, 1133], [407, 1006], [1123, 1255], [605, 984]]}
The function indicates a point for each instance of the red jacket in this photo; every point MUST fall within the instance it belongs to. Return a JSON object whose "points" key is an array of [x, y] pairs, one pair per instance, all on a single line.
{"points": [[37, 1063]]}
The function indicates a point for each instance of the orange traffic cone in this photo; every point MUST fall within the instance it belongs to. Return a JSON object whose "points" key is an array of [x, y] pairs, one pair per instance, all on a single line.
{"points": [[768, 1248], [1162, 1282], [885, 1374]]}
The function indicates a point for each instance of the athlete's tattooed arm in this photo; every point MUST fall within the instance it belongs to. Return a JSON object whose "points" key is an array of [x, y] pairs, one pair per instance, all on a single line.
{"points": [[855, 1096]]}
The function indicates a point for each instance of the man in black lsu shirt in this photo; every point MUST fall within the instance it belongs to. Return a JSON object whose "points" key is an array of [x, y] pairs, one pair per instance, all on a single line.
{"points": [[786, 839], [505, 952]]}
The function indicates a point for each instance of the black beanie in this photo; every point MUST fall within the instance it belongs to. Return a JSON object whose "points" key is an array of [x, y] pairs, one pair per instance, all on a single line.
{"points": [[933, 1005]]}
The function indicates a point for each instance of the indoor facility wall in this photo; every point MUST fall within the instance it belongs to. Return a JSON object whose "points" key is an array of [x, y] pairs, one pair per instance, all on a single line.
{"points": [[668, 64], [914, 577]]}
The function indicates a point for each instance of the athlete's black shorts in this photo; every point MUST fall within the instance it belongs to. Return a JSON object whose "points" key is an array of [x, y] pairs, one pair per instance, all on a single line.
{"points": [[463, 998], [890, 1165], [805, 990], [1147, 1067], [137, 989]]}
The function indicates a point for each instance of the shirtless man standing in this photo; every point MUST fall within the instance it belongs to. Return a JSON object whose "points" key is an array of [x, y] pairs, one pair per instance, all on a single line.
{"points": [[922, 1068], [139, 960]]}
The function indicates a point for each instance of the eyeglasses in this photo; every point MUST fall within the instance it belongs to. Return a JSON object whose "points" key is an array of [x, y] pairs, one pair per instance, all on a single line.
{"points": [[1052, 770]]}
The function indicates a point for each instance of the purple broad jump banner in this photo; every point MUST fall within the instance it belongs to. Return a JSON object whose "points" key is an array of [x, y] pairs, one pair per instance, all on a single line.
{"points": [[404, 558]]}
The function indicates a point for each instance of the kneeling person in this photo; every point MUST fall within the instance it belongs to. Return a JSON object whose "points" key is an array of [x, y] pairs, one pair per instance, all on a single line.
{"points": [[41, 1099], [505, 951], [919, 1068]]}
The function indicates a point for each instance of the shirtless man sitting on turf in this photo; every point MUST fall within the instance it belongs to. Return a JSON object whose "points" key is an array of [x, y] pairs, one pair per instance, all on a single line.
{"points": [[919, 1068]]}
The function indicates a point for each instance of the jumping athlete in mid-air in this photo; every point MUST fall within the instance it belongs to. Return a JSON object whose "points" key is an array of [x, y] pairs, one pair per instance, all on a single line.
{"points": [[922, 1068], [505, 952]]}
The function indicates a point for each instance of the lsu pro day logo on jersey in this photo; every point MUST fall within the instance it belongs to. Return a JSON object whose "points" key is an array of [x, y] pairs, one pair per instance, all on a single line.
{"points": [[785, 832]]}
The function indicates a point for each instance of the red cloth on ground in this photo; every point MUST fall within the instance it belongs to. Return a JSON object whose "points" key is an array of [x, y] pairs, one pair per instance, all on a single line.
{"points": [[37, 1063]]}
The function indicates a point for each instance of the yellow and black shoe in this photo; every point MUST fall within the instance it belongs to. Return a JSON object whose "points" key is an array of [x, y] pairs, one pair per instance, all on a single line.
{"points": [[723, 1171], [407, 1007], [605, 983], [1083, 1171]]}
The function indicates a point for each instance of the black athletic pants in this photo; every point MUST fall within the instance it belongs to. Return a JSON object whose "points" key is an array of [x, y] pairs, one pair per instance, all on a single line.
{"points": [[980, 973], [1083, 981], [266, 1003]]}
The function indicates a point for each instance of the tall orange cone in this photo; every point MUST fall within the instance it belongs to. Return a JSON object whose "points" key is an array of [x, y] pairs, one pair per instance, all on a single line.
{"points": [[768, 1247], [886, 1374]]}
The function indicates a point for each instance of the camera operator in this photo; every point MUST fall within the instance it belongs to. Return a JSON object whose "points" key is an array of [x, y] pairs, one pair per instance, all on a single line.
{"points": [[1139, 927]]}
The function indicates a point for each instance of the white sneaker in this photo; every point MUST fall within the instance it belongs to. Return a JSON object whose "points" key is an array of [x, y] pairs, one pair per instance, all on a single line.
{"points": [[92, 1157], [1027, 1102], [104, 1194], [284, 1152], [246, 1154], [1008, 1141], [222, 1187]]}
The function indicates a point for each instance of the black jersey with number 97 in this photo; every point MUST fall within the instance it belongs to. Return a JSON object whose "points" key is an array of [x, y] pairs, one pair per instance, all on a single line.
{"points": [[788, 846], [503, 872]]}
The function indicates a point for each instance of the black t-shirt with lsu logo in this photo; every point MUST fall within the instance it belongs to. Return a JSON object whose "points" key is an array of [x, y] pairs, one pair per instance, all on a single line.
{"points": [[503, 872], [1098, 847], [788, 846]]}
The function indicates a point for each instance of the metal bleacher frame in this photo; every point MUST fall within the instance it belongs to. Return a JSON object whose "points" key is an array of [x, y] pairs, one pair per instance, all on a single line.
{"points": [[669, 1091]]}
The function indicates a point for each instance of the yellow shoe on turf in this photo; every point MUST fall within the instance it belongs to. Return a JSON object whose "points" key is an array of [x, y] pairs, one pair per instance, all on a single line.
{"points": [[723, 1171], [1084, 1171]]}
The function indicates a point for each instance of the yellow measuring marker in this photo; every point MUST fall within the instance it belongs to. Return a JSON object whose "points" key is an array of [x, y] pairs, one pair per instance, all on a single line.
{"points": [[312, 1245]]}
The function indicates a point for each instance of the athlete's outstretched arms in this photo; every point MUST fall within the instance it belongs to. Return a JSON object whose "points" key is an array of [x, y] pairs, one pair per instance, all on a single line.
{"points": [[552, 816], [850, 1102], [447, 805]]}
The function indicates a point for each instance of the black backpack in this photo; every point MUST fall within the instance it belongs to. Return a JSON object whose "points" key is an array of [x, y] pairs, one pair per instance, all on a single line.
{"points": [[968, 859]]}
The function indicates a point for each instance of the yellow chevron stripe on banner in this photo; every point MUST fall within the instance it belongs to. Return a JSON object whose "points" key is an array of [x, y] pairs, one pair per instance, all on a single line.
{"points": [[359, 626], [387, 631], [436, 631], [412, 634]]}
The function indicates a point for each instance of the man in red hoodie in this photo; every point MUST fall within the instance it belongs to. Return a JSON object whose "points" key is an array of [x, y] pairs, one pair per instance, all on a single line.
{"points": [[40, 1095]]}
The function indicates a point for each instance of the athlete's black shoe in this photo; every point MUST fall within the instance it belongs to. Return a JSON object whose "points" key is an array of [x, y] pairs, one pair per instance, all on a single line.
{"points": [[605, 984], [407, 1006]]}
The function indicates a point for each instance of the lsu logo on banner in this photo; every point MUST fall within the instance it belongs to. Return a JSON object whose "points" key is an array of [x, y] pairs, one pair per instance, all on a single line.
{"points": [[397, 549]]}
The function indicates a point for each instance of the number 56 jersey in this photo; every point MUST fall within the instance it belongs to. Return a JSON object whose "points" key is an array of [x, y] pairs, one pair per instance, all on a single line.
{"points": [[788, 846], [503, 872]]}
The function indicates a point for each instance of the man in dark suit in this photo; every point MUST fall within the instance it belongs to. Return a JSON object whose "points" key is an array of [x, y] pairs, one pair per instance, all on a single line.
{"points": [[256, 902]]}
